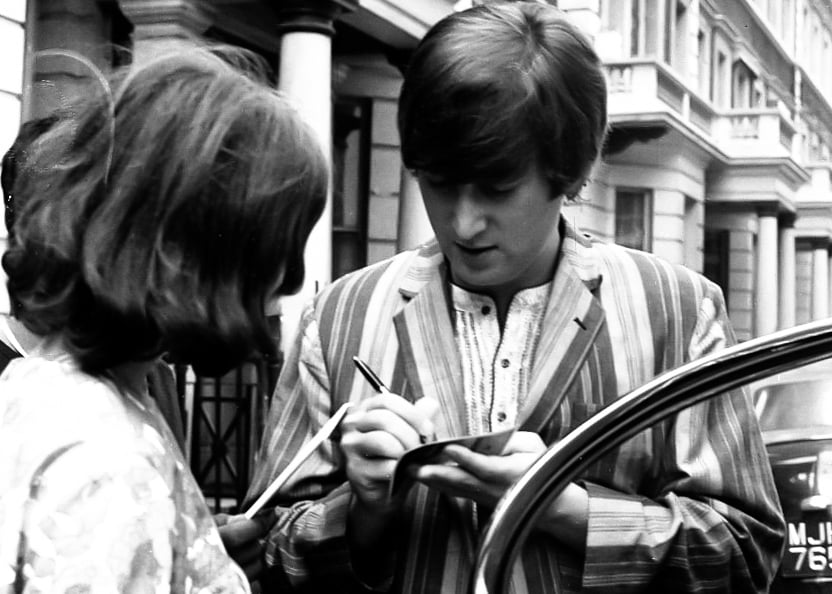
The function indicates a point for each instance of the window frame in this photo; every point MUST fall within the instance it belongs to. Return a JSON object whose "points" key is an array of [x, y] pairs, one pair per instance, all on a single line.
{"points": [[647, 197]]}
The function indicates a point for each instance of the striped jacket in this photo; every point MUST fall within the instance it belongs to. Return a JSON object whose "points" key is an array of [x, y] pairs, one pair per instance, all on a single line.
{"points": [[688, 506]]}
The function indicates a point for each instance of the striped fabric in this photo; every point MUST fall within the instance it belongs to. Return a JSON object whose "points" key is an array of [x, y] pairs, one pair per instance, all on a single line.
{"points": [[688, 506], [496, 365]]}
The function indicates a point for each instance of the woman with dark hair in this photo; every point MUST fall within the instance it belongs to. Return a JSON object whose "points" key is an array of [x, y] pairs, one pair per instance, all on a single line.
{"points": [[161, 217], [16, 339]]}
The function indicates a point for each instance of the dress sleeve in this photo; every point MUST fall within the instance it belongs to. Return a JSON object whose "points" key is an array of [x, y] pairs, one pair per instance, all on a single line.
{"points": [[707, 518], [100, 518]]}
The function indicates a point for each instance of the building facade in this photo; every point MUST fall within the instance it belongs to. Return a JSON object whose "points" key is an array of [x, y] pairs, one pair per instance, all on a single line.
{"points": [[720, 113]]}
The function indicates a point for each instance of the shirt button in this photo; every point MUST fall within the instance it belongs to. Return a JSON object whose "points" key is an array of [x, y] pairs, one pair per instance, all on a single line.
{"points": [[501, 416], [505, 363], [485, 310]]}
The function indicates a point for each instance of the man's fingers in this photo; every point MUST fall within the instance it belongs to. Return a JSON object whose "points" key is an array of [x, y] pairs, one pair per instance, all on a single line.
{"points": [[385, 419], [418, 417], [374, 444], [478, 464], [502, 469], [451, 480], [526, 442]]}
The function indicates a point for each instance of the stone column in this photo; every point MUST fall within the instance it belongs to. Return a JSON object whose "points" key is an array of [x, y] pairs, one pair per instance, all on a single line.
{"points": [[820, 280], [166, 19], [413, 225], [829, 292], [787, 273], [766, 291], [305, 76]]}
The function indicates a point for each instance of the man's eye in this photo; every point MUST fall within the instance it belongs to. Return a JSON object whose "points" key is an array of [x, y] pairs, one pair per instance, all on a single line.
{"points": [[437, 182], [496, 190]]}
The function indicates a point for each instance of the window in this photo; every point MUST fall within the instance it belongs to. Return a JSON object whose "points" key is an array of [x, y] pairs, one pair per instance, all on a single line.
{"points": [[719, 84], [772, 15], [350, 162], [634, 218], [787, 23], [717, 258], [694, 221], [815, 152], [635, 27], [669, 30], [12, 42], [615, 18], [704, 61], [680, 35], [743, 92]]}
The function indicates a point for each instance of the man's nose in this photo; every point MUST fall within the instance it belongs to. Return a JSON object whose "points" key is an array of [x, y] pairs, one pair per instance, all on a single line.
{"points": [[469, 218]]}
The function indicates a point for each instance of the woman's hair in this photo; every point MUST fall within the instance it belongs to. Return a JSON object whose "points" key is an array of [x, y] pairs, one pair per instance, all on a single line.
{"points": [[491, 89], [13, 159], [166, 212]]}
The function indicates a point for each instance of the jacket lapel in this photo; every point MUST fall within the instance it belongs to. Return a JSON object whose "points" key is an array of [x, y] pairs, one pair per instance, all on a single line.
{"points": [[573, 318], [428, 348]]}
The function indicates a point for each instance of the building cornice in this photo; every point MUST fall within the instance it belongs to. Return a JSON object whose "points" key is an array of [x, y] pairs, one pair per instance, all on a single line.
{"points": [[785, 168]]}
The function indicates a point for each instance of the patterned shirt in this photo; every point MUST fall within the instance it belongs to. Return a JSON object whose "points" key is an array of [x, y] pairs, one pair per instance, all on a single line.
{"points": [[95, 495], [496, 365]]}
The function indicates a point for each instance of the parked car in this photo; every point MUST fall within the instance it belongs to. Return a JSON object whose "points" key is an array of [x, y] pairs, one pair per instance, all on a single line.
{"points": [[794, 404], [795, 412]]}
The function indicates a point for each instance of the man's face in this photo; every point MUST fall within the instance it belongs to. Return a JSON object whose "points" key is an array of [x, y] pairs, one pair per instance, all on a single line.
{"points": [[498, 237]]}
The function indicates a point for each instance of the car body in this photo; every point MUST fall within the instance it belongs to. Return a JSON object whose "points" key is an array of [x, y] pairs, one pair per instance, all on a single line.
{"points": [[795, 413], [799, 455]]}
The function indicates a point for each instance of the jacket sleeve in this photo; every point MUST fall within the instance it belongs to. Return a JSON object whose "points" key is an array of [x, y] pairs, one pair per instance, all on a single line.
{"points": [[707, 517], [307, 546]]}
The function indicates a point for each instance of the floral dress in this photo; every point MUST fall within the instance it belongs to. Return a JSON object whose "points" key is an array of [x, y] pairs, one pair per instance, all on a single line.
{"points": [[94, 494]]}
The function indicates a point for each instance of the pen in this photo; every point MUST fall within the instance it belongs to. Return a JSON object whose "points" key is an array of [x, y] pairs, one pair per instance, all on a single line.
{"points": [[371, 376], [378, 385]]}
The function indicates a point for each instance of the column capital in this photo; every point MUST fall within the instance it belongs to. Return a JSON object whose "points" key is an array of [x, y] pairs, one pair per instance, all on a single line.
{"points": [[787, 220], [154, 19], [767, 209], [312, 16]]}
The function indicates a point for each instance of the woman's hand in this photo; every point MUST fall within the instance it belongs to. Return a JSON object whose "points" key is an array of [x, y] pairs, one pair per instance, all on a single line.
{"points": [[244, 539]]}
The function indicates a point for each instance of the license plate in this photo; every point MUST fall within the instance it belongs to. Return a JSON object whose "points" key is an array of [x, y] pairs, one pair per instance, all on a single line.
{"points": [[809, 551]]}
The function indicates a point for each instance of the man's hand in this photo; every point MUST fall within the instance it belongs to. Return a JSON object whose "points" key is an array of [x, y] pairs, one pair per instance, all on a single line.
{"points": [[374, 436], [481, 478], [243, 539]]}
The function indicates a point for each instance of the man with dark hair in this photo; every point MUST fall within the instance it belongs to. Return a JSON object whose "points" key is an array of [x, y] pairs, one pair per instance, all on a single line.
{"points": [[512, 318]]}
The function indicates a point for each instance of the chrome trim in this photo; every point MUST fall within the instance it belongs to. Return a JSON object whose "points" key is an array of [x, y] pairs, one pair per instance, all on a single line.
{"points": [[671, 392], [816, 503], [778, 436]]}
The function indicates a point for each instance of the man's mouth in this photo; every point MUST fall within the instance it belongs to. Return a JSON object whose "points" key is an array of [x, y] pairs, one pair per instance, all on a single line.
{"points": [[472, 250]]}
